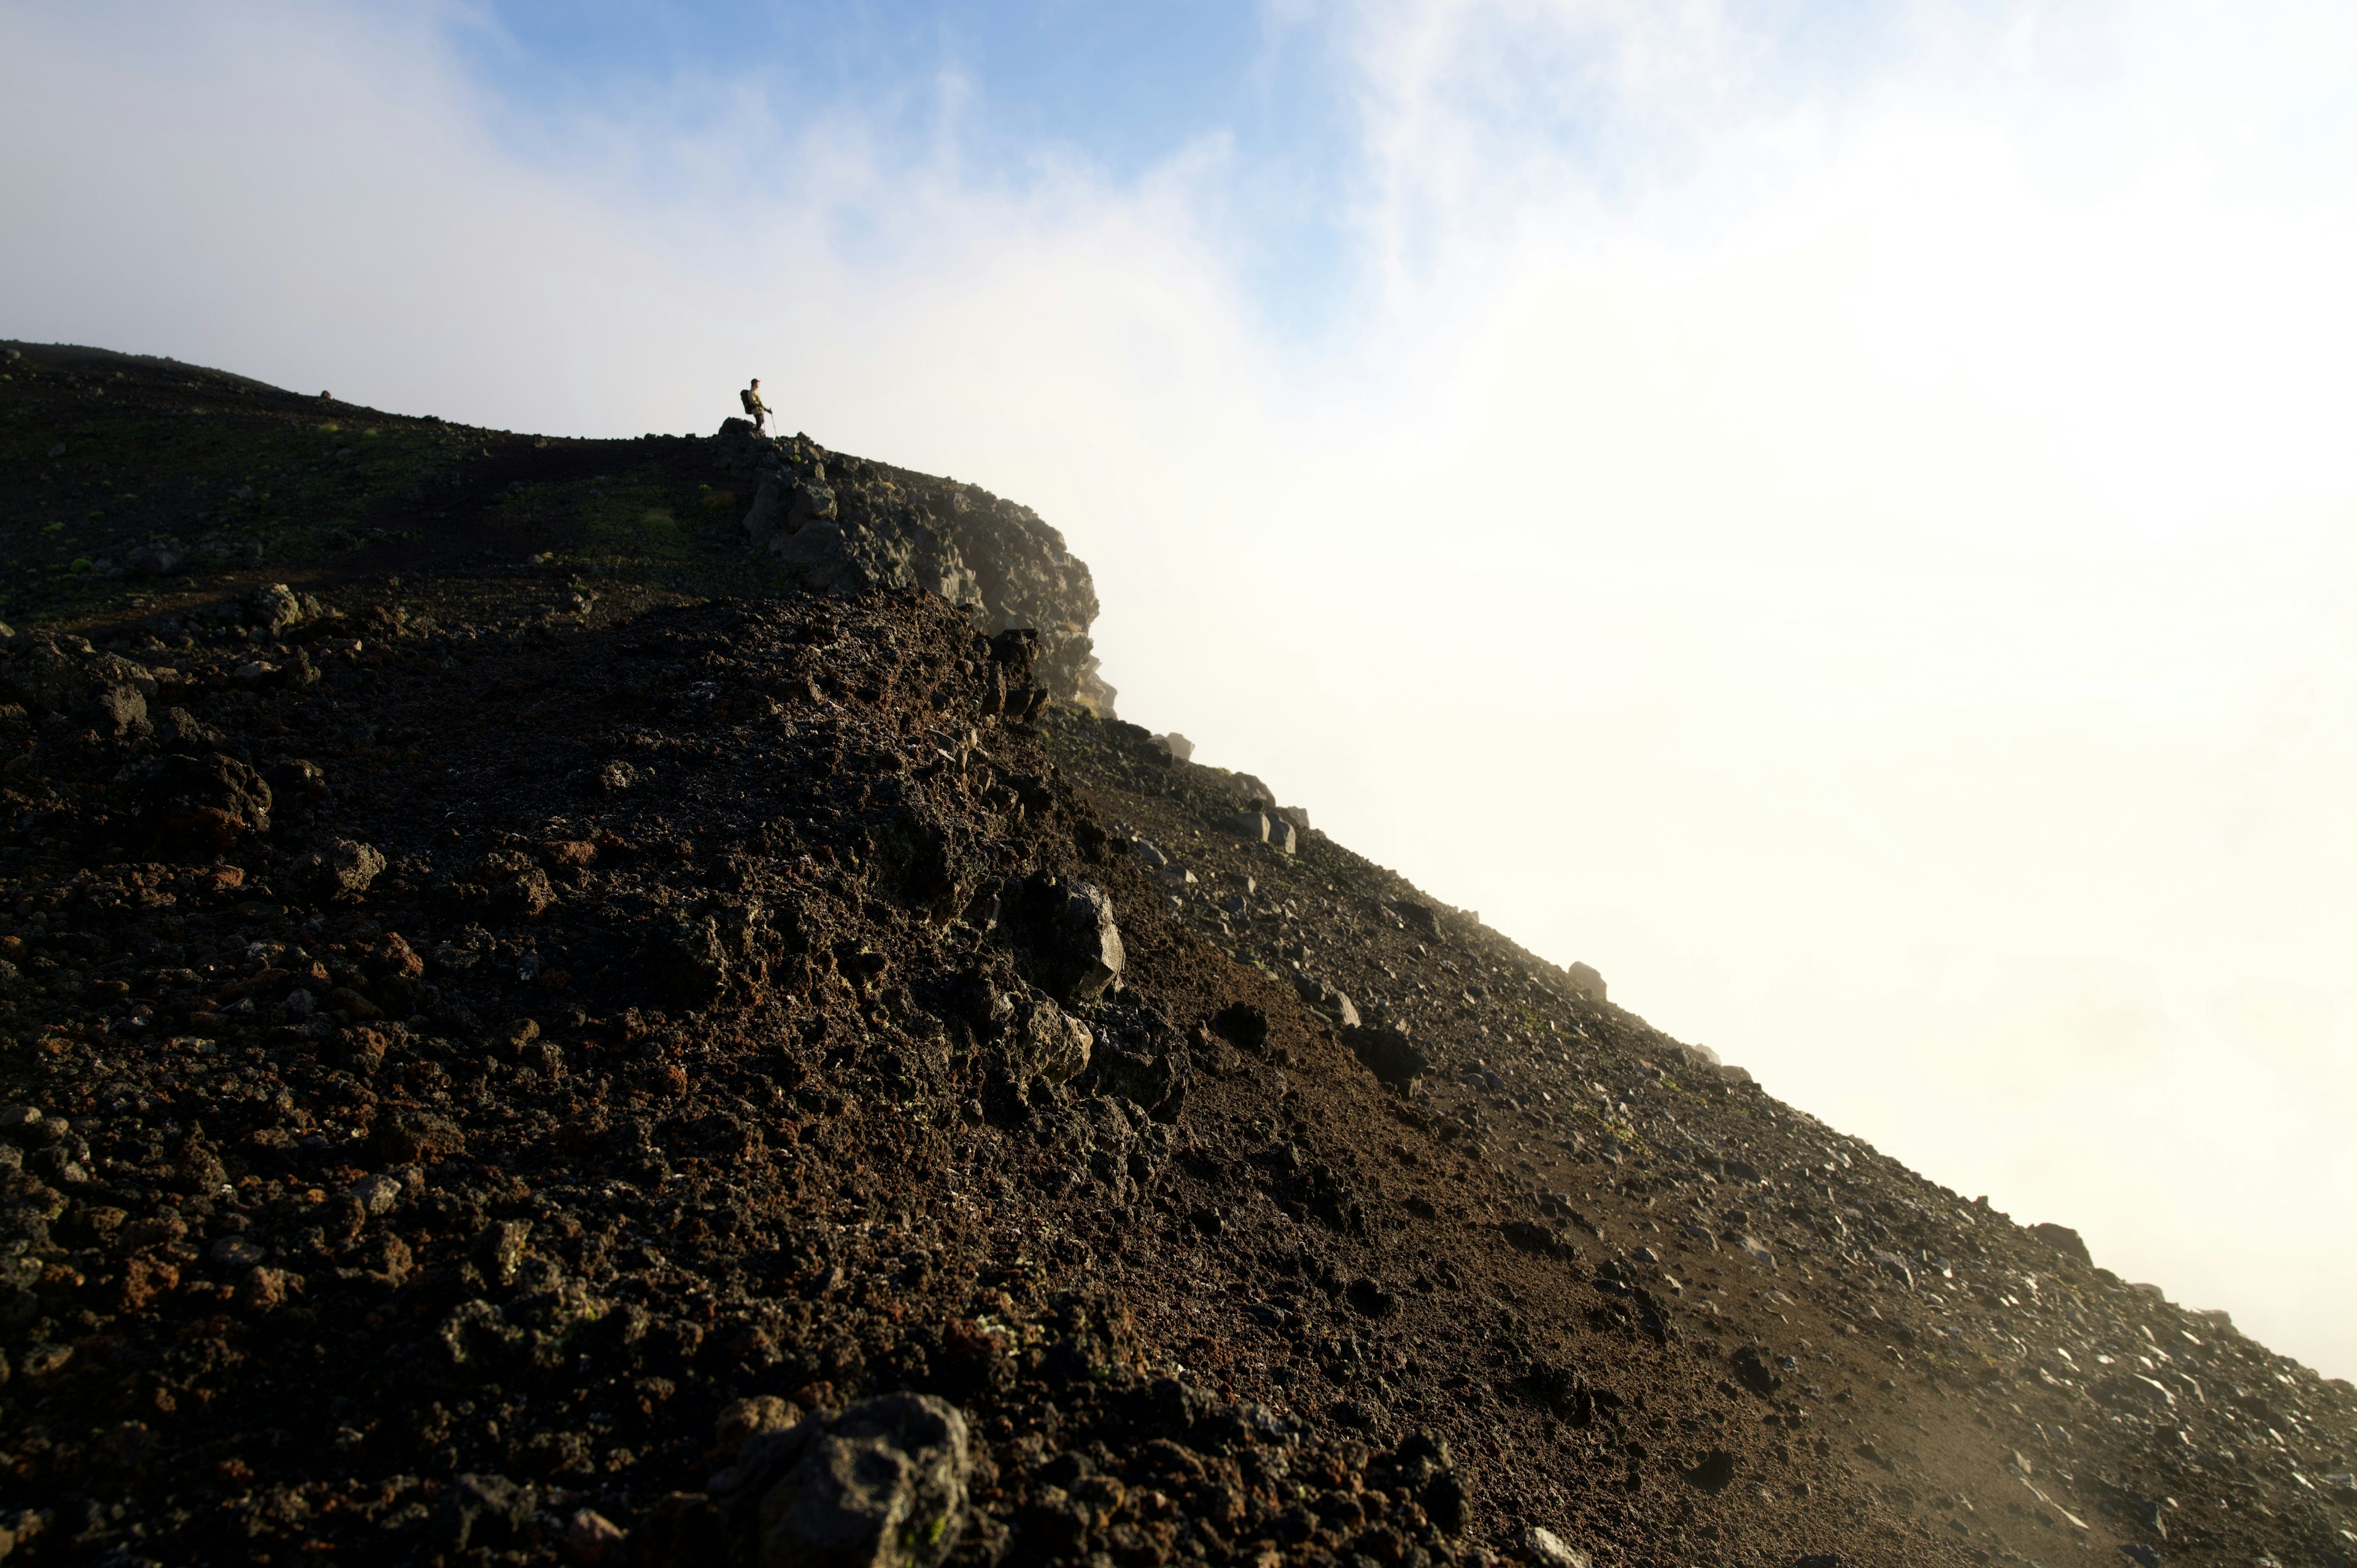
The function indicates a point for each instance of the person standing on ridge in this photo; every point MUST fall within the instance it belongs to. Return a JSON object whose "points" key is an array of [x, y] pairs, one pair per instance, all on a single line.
{"points": [[754, 409]]}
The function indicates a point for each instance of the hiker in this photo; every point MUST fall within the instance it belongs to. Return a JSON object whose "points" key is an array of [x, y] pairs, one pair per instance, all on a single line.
{"points": [[754, 409]]}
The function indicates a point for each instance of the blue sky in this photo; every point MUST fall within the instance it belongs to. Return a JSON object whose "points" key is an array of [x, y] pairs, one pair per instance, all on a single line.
{"points": [[1008, 92], [1124, 83]]}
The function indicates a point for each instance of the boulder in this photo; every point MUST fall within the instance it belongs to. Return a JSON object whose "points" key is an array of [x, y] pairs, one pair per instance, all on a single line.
{"points": [[1585, 981], [1389, 1054], [1045, 1041], [275, 608], [198, 802], [1085, 942], [2063, 1239], [66, 675], [341, 872], [1176, 747], [883, 1484], [1155, 1073]]}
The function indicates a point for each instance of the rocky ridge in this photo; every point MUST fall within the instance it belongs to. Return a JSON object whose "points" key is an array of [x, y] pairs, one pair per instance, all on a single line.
{"points": [[865, 526]]}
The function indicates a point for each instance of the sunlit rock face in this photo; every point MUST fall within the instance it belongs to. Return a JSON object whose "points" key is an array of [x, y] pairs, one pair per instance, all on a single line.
{"points": [[852, 525]]}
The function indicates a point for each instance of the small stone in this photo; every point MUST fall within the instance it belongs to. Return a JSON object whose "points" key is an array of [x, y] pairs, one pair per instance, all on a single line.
{"points": [[410, 1137], [41, 1360], [1548, 1549], [235, 1252], [743, 1420], [499, 1249], [19, 1119], [275, 607], [341, 872], [263, 1289], [593, 1541], [146, 1279], [378, 1194], [485, 1510]]}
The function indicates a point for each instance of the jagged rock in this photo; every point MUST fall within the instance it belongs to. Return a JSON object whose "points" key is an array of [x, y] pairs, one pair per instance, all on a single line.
{"points": [[881, 1486], [1586, 981], [1389, 1054], [1321, 996], [66, 675], [1045, 1041], [485, 1510], [1088, 941], [341, 871], [1547, 1549], [853, 526], [2063, 1239], [1154, 1073], [1176, 747], [275, 608], [207, 802]]}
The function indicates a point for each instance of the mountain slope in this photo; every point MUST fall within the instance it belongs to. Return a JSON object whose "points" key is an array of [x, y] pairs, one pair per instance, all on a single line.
{"points": [[487, 1054]]}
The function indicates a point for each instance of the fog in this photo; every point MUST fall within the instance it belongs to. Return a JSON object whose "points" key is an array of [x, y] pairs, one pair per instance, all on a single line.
{"points": [[1853, 539]]}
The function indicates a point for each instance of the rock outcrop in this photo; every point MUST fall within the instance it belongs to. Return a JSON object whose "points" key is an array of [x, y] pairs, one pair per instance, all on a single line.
{"points": [[852, 525]]}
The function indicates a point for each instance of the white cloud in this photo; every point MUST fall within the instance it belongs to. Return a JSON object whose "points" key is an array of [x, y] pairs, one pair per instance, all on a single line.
{"points": [[1848, 537]]}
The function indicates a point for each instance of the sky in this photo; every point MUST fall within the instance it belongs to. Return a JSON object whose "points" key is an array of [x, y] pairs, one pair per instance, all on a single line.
{"points": [[1838, 515]]}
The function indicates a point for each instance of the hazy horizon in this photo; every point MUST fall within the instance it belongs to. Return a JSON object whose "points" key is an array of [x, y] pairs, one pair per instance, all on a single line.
{"points": [[1838, 517]]}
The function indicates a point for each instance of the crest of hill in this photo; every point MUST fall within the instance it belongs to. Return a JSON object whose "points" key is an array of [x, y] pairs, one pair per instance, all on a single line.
{"points": [[129, 483]]}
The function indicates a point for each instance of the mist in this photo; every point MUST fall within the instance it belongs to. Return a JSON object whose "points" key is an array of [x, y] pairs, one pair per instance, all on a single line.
{"points": [[1849, 534]]}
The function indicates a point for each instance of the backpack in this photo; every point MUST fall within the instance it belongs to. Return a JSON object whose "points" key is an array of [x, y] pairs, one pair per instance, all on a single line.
{"points": [[746, 397]]}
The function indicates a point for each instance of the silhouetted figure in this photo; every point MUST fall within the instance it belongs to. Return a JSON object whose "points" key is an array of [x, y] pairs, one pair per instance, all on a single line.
{"points": [[754, 409]]}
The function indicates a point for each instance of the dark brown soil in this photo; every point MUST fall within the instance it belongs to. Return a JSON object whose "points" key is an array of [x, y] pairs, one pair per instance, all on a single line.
{"points": [[681, 1054]]}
